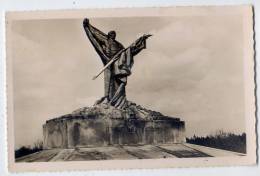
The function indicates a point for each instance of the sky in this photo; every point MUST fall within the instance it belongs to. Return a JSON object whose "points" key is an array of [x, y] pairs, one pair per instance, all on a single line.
{"points": [[192, 69]]}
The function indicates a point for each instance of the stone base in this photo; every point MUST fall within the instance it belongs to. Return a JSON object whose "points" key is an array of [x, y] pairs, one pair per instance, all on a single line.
{"points": [[105, 125], [124, 152]]}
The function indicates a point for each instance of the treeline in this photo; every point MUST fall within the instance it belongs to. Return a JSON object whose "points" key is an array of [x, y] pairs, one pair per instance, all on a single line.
{"points": [[222, 140], [26, 150]]}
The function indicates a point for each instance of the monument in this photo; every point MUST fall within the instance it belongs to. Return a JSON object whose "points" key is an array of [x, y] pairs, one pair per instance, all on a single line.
{"points": [[113, 120]]}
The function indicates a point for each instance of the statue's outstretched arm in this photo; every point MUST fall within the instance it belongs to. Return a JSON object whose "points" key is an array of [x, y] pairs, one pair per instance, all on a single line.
{"points": [[96, 38], [100, 36], [139, 44]]}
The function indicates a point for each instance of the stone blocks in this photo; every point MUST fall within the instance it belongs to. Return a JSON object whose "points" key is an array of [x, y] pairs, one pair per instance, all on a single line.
{"points": [[104, 126]]}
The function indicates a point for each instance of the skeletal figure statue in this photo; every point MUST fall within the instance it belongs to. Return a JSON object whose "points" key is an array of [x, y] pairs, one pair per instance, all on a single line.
{"points": [[117, 61]]}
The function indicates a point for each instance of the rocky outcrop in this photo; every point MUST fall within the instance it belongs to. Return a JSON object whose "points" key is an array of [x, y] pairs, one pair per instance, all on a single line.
{"points": [[103, 125], [109, 112]]}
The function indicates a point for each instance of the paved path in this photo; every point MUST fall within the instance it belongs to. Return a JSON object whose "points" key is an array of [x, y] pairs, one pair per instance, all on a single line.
{"points": [[127, 152]]}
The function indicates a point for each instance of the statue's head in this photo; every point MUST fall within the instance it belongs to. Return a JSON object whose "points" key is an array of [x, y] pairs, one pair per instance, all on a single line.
{"points": [[112, 35]]}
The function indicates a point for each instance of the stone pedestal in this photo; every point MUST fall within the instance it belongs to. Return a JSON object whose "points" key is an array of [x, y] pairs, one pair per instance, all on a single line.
{"points": [[104, 125]]}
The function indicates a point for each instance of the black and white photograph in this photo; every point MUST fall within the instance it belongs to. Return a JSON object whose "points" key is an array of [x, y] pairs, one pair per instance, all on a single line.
{"points": [[169, 86]]}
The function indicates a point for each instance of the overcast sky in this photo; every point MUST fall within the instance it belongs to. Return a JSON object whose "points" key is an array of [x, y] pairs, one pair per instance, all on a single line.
{"points": [[192, 69]]}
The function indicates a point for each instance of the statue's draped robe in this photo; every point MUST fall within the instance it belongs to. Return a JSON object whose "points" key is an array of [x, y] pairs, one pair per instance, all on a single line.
{"points": [[115, 76]]}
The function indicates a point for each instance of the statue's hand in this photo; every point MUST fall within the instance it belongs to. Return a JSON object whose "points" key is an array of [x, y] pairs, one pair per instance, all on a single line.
{"points": [[85, 22], [146, 36]]}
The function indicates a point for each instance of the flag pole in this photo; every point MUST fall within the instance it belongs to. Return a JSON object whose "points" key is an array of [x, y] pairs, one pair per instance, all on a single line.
{"points": [[109, 63], [116, 57]]}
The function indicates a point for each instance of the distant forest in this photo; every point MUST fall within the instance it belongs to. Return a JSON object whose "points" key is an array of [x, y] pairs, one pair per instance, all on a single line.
{"points": [[26, 150], [222, 140]]}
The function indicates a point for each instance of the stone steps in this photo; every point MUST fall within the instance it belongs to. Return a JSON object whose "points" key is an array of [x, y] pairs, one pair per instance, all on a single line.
{"points": [[126, 152]]}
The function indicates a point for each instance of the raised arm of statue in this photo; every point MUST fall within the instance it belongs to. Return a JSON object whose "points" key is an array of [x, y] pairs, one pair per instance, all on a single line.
{"points": [[97, 39], [100, 36], [139, 44]]}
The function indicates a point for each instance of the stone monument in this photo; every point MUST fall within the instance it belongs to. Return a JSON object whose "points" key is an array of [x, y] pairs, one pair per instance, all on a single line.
{"points": [[113, 120]]}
